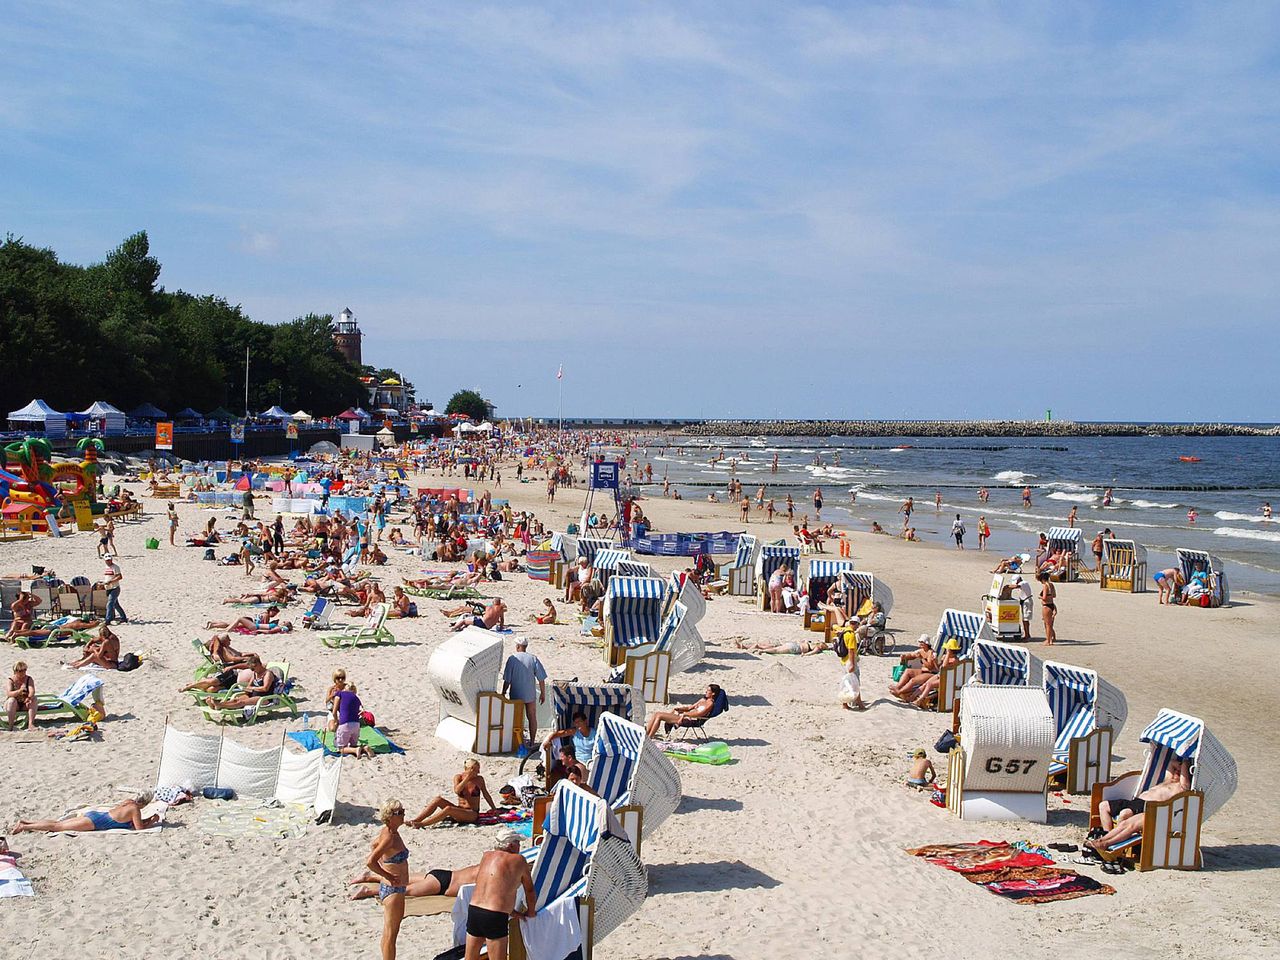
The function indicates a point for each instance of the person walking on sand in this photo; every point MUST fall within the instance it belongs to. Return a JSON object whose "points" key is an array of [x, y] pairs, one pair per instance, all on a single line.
{"points": [[173, 525], [111, 579], [957, 531], [984, 532], [908, 505], [745, 508], [791, 509], [524, 678], [1048, 607]]}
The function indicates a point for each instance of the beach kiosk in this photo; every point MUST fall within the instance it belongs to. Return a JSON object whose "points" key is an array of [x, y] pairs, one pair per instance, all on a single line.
{"points": [[1206, 580], [1170, 835], [465, 671], [997, 772], [1124, 566], [1007, 604], [770, 558]]}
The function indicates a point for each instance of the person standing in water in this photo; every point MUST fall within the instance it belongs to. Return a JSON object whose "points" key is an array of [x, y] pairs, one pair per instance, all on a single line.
{"points": [[1026, 496]]}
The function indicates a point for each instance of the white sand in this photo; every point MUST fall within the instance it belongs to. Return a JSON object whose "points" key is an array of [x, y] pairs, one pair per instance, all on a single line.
{"points": [[795, 848]]}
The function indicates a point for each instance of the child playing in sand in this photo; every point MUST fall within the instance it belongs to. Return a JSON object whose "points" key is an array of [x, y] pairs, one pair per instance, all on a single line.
{"points": [[548, 614], [922, 773]]}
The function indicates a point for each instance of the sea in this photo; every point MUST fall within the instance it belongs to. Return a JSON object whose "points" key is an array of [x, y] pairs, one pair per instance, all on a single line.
{"points": [[1154, 489]]}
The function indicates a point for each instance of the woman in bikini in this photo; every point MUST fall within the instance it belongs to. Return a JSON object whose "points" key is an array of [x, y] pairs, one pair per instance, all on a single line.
{"points": [[1048, 607], [433, 883], [20, 696], [389, 863], [470, 787], [102, 651], [803, 648]]}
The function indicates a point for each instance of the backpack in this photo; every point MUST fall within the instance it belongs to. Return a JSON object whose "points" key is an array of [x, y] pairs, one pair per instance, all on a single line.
{"points": [[840, 647]]}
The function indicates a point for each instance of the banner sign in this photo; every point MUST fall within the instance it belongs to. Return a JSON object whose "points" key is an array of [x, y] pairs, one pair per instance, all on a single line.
{"points": [[164, 436], [237, 433]]}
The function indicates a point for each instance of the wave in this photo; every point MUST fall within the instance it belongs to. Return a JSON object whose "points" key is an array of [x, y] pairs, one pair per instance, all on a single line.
{"points": [[1268, 535], [862, 495], [1064, 485], [1147, 504], [1241, 517], [1073, 497], [1013, 476]]}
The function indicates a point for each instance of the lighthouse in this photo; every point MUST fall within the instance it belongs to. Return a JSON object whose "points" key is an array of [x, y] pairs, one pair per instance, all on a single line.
{"points": [[346, 337]]}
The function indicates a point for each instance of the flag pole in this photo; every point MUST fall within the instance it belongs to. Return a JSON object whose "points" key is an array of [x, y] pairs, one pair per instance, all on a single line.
{"points": [[560, 378], [246, 383]]}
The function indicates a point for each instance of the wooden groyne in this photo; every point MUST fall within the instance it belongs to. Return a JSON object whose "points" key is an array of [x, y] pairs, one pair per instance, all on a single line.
{"points": [[968, 428]]}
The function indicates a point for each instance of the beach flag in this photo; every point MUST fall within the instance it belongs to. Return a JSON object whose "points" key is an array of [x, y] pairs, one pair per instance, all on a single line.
{"points": [[560, 372]]}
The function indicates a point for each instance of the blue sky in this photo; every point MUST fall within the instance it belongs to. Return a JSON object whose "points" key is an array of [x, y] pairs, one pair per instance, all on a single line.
{"points": [[737, 209]]}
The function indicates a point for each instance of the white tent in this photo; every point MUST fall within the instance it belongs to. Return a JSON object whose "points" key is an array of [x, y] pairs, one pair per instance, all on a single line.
{"points": [[302, 415], [51, 422], [111, 417], [275, 413], [485, 427]]}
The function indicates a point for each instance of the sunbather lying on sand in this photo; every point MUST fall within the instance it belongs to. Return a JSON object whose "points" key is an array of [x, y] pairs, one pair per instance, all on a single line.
{"points": [[123, 816], [276, 594], [263, 623], [433, 883], [803, 648]]}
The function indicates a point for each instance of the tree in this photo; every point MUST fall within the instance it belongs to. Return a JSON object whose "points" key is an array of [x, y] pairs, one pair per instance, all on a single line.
{"points": [[469, 402]]}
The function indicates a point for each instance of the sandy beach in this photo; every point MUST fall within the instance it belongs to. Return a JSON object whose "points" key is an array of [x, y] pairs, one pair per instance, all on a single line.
{"points": [[794, 849]]}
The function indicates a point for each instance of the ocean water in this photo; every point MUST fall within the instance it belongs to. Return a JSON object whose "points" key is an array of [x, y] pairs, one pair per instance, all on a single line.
{"points": [[1153, 488]]}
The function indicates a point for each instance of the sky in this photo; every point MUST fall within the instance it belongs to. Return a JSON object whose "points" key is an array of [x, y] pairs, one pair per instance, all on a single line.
{"points": [[951, 210]]}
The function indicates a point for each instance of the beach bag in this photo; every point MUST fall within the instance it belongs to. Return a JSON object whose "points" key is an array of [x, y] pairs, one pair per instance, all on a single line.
{"points": [[153, 543], [850, 688], [127, 662], [367, 718], [946, 742], [208, 554], [898, 671]]}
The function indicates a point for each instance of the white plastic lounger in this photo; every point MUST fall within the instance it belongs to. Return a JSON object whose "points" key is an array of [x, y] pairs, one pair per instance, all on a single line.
{"points": [[474, 715], [1171, 828], [1088, 714], [372, 631]]}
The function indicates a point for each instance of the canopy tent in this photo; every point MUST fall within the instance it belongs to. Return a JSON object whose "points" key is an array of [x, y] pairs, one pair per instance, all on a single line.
{"points": [[362, 413], [222, 413], [485, 427], [188, 413], [348, 414], [112, 417], [53, 423], [148, 411], [274, 413], [302, 415], [323, 448]]}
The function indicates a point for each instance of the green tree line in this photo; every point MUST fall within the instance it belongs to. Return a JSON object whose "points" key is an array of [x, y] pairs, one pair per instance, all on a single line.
{"points": [[74, 334]]}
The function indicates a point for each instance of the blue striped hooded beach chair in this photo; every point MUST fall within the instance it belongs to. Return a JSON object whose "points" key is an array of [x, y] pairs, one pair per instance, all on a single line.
{"points": [[637, 780], [589, 546], [822, 574], [737, 577], [1088, 714], [963, 627], [684, 589], [1066, 539], [632, 614], [679, 647], [1195, 562], [605, 564], [1171, 828], [634, 568], [583, 856], [771, 557], [997, 664]]}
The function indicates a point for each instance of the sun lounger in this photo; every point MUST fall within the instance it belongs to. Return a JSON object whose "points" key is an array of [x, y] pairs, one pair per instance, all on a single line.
{"points": [[372, 631], [1171, 829], [279, 699], [692, 727], [74, 703]]}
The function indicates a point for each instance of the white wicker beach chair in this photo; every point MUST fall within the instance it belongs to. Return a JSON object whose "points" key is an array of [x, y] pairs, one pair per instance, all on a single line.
{"points": [[637, 780], [1088, 714], [474, 715], [1171, 828], [998, 770]]}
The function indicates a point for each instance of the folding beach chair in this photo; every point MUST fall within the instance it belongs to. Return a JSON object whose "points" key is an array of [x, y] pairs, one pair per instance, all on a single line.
{"points": [[693, 727], [372, 631], [279, 699], [317, 618]]}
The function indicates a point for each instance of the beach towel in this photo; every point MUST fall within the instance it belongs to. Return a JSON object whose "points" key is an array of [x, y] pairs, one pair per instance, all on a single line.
{"points": [[370, 737], [1011, 871], [265, 819], [13, 883], [554, 931]]}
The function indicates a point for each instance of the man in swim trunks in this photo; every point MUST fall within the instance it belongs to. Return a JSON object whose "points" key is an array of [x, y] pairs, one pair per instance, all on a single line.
{"points": [[502, 872], [1129, 818]]}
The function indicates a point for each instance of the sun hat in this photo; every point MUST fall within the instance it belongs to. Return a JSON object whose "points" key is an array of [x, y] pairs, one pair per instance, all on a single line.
{"points": [[951, 644]]}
